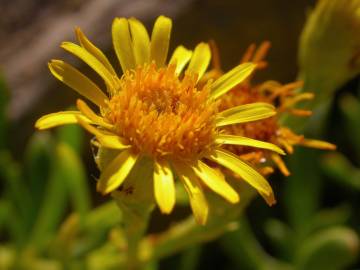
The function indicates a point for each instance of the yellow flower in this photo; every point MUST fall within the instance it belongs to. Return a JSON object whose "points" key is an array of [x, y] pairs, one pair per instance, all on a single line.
{"points": [[283, 97], [158, 110]]}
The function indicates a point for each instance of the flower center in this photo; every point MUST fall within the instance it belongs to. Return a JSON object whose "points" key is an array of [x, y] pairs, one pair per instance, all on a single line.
{"points": [[160, 114]]}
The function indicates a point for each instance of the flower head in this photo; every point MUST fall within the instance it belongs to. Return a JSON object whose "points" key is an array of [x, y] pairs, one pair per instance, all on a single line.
{"points": [[158, 110], [283, 97]]}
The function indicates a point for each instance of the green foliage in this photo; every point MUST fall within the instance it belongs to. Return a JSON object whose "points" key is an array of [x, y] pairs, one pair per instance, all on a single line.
{"points": [[37, 195], [334, 249]]}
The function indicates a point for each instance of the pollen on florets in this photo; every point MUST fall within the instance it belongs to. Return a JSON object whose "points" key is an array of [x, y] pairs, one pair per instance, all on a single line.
{"points": [[160, 114]]}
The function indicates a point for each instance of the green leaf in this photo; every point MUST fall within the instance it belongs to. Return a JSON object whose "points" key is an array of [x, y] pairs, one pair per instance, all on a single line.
{"points": [[329, 217], [11, 225], [339, 168], [15, 191], [331, 249], [72, 135], [300, 200], [54, 203], [281, 236], [350, 107], [74, 177], [245, 250], [190, 258], [38, 158], [93, 233], [4, 213]]}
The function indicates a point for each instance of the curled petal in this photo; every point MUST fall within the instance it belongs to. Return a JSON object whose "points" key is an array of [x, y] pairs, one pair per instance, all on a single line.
{"points": [[77, 81], [60, 118]]}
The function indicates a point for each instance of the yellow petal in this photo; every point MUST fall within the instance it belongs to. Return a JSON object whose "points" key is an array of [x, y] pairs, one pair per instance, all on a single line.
{"points": [[77, 81], [245, 113], [200, 59], [60, 118], [106, 139], [164, 186], [116, 172], [193, 187], [89, 113], [242, 169], [92, 61], [160, 38], [230, 79], [122, 43], [91, 48], [270, 199], [140, 41], [215, 181], [180, 58], [239, 140]]}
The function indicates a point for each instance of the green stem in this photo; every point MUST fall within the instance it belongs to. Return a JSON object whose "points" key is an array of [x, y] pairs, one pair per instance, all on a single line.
{"points": [[187, 233], [135, 219]]}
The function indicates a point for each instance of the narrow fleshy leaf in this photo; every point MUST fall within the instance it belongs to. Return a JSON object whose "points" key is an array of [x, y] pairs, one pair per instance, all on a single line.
{"points": [[180, 57], [140, 42], [193, 187], [215, 181], [200, 59], [244, 141], [230, 79], [92, 61], [91, 48], [242, 169], [122, 43], [76, 179], [245, 113], [60, 118], [164, 186], [78, 81], [116, 172], [160, 39]]}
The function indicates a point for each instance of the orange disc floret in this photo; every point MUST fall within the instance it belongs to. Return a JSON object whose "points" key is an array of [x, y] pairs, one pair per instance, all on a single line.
{"points": [[161, 114]]}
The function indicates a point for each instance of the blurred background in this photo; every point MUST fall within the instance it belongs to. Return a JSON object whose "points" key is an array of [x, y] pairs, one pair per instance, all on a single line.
{"points": [[314, 225]]}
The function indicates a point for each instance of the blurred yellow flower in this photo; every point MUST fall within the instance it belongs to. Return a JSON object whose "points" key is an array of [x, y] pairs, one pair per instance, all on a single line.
{"points": [[159, 110], [283, 97]]}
